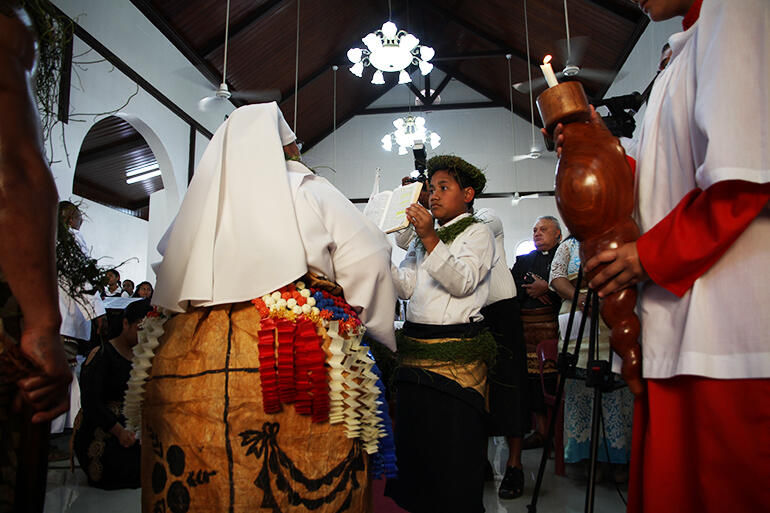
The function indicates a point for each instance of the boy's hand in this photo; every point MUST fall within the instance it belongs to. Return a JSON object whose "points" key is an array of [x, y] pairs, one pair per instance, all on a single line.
{"points": [[422, 220]]}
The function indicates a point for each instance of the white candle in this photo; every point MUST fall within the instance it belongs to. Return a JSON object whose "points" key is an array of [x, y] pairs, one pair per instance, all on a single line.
{"points": [[550, 77]]}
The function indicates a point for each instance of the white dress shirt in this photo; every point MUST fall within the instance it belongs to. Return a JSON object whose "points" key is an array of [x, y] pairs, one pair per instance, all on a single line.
{"points": [[344, 246], [451, 284], [501, 284]]}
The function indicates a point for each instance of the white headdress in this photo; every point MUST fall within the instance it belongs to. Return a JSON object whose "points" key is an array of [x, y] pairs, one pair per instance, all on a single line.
{"points": [[235, 236]]}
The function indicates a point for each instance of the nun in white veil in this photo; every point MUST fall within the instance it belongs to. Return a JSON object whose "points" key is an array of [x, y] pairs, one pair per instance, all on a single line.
{"points": [[251, 223]]}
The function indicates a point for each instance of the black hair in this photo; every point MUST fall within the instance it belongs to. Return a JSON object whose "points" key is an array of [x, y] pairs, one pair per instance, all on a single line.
{"points": [[114, 271], [137, 310], [136, 289]]}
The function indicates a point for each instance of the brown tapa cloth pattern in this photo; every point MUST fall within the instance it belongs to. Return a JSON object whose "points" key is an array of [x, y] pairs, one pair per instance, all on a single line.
{"points": [[539, 324], [207, 444]]}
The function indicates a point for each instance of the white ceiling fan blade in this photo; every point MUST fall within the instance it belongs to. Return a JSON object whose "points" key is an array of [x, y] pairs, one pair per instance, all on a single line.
{"points": [[519, 158], [261, 96], [209, 102], [599, 75], [577, 49]]}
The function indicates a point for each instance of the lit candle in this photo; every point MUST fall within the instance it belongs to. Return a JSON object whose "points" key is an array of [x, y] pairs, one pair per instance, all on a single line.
{"points": [[550, 77]]}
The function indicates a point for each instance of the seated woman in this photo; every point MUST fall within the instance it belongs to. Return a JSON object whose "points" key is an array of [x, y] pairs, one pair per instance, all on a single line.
{"points": [[617, 406], [108, 453]]}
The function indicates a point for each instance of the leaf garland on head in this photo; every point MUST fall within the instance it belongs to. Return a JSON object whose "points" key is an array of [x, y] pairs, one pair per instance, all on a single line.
{"points": [[464, 172], [448, 233]]}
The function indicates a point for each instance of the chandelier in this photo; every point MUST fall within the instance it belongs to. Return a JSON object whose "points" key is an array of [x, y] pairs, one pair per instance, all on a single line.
{"points": [[390, 49], [410, 130]]}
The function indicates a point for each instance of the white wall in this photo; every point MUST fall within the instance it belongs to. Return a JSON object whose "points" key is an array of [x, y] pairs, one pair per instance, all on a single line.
{"points": [[100, 88], [114, 238]]}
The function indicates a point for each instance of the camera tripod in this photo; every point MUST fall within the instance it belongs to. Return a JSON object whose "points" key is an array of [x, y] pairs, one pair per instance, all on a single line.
{"points": [[598, 376]]}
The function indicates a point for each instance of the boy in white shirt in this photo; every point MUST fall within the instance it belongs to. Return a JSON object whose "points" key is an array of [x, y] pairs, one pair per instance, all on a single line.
{"points": [[443, 348]]}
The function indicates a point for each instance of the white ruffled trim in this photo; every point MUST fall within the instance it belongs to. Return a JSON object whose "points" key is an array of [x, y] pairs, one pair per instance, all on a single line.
{"points": [[144, 351], [353, 391]]}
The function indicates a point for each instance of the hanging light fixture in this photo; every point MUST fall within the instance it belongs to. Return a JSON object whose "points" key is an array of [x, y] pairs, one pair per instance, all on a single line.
{"points": [[410, 130], [391, 50]]}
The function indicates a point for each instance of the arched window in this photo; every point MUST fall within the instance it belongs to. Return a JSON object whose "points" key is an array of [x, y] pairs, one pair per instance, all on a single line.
{"points": [[524, 247]]}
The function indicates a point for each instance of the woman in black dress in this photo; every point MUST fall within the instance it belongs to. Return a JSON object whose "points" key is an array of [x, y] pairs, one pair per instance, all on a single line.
{"points": [[108, 453]]}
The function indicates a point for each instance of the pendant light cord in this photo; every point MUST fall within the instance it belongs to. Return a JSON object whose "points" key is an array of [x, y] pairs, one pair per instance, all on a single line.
{"points": [[513, 127], [227, 33], [529, 74], [334, 115], [566, 24], [296, 72]]}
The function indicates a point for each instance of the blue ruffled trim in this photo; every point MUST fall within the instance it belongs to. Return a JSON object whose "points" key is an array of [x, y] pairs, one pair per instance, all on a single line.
{"points": [[384, 460]]}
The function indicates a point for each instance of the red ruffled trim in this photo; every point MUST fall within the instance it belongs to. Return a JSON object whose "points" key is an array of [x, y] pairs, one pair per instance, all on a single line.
{"points": [[267, 367], [298, 375]]}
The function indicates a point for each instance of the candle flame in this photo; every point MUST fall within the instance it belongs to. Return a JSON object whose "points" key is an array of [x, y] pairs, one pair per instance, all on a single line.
{"points": [[547, 59]]}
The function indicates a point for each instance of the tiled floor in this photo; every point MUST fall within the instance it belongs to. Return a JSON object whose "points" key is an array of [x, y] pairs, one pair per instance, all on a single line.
{"points": [[69, 493]]}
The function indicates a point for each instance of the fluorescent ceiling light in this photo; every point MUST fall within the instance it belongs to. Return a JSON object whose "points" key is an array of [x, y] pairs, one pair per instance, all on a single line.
{"points": [[143, 169], [145, 176]]}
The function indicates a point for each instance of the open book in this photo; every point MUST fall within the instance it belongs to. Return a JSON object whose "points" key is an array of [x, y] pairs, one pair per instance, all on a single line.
{"points": [[387, 209]]}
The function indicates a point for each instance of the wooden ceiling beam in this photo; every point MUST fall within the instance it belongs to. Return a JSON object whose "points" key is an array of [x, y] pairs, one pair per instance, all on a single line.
{"points": [[459, 76], [135, 142], [486, 54], [431, 108], [350, 115], [248, 21], [202, 65], [99, 193], [437, 91], [502, 46], [625, 10]]}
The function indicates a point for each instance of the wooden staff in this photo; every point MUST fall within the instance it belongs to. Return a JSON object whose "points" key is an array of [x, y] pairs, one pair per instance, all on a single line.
{"points": [[595, 197]]}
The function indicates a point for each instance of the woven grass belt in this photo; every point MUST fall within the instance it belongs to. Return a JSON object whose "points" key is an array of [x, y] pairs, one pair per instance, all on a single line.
{"points": [[463, 360]]}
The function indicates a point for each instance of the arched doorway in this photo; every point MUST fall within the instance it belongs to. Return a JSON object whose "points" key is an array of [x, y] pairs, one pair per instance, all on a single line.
{"points": [[117, 168]]}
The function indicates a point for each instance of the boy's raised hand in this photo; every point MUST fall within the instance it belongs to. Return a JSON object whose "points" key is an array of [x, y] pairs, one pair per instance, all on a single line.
{"points": [[422, 220]]}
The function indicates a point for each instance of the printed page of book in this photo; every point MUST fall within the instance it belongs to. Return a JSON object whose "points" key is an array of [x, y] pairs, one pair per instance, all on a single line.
{"points": [[119, 303], [395, 216], [375, 208]]}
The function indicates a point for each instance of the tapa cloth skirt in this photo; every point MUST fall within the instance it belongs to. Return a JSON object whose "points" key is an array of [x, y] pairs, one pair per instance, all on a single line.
{"points": [[207, 444]]}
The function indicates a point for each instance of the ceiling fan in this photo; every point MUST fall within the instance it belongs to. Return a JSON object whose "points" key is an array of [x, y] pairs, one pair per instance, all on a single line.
{"points": [[571, 51], [223, 93]]}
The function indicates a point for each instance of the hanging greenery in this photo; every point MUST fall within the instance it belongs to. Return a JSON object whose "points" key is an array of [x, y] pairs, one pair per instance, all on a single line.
{"points": [[54, 34]]}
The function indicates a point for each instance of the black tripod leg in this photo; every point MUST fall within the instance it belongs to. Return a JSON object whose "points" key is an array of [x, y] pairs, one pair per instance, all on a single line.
{"points": [[595, 377], [532, 506], [564, 371], [593, 463]]}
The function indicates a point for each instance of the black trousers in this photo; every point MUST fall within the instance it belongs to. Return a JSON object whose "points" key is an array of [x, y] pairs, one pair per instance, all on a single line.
{"points": [[440, 445]]}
